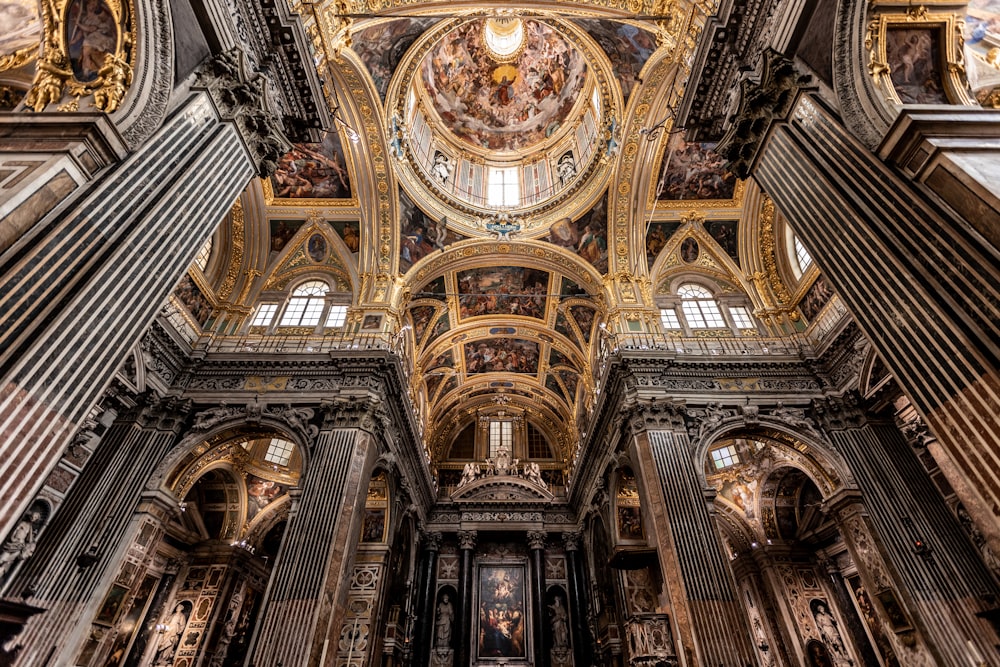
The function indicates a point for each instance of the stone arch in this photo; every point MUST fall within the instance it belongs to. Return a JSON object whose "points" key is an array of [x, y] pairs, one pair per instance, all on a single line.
{"points": [[808, 447], [231, 426], [863, 110]]}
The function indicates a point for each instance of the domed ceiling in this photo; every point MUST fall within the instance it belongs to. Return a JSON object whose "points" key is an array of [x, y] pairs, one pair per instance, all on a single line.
{"points": [[502, 308], [504, 102]]}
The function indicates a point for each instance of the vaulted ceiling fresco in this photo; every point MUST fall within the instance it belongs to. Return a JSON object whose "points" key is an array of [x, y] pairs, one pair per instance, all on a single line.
{"points": [[503, 195]]}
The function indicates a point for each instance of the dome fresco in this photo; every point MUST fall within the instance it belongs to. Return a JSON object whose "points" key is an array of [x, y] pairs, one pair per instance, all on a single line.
{"points": [[504, 106]]}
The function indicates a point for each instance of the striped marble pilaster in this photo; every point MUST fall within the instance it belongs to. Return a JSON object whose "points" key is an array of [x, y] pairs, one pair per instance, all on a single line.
{"points": [[97, 518], [713, 611], [76, 305], [948, 583], [303, 606], [923, 285]]}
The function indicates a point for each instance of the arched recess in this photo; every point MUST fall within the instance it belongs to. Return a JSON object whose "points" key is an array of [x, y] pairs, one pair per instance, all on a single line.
{"points": [[797, 570], [209, 530]]}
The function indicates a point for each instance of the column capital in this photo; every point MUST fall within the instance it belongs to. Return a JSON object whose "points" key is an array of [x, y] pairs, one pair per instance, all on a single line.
{"points": [[241, 97], [467, 539], [843, 504], [431, 539], [761, 103], [162, 414], [655, 415], [838, 413], [571, 540], [536, 539], [364, 411]]}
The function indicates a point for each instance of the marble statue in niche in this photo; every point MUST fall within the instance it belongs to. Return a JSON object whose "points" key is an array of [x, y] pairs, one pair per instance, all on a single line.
{"points": [[21, 543], [827, 627], [170, 635], [445, 616], [560, 623]]}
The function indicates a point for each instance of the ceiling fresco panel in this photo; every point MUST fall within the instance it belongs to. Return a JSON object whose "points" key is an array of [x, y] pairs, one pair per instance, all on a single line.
{"points": [[504, 106], [381, 47], [694, 170], [313, 171], [501, 355], [508, 290], [628, 48]]}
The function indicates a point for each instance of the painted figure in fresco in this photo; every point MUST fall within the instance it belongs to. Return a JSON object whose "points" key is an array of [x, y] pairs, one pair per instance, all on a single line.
{"points": [[21, 543], [166, 646], [445, 615], [91, 35]]}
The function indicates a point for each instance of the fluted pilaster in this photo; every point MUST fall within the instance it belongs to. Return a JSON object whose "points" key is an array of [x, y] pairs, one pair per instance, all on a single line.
{"points": [[67, 321], [308, 582]]}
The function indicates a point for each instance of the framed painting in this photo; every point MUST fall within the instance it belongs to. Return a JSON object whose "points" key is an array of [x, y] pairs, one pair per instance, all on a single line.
{"points": [[917, 57], [501, 630]]}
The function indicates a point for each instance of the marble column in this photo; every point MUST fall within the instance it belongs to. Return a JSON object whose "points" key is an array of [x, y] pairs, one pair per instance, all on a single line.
{"points": [[310, 580], [424, 631], [920, 279], [707, 615], [466, 583], [68, 322], [582, 653], [79, 555], [536, 543], [938, 576]]}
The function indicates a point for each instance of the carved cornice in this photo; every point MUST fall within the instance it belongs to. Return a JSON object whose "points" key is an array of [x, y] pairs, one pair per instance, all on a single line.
{"points": [[502, 488], [296, 420]]}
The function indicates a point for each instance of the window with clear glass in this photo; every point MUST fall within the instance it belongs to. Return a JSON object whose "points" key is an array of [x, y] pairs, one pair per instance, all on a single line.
{"points": [[279, 452], [503, 188], [742, 318], [669, 319], [201, 259], [305, 306], [501, 437], [337, 316], [802, 255], [265, 314], [723, 457], [700, 308]]}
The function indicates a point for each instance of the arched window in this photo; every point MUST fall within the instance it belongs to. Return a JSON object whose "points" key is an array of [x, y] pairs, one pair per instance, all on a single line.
{"points": [[305, 306], [700, 308], [801, 254], [201, 259], [695, 307]]}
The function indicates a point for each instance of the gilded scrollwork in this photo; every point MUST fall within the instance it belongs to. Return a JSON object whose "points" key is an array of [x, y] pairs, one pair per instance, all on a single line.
{"points": [[86, 51], [903, 58]]}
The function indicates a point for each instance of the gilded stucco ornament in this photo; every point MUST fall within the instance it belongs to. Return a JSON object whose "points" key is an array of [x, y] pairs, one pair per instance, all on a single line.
{"points": [[903, 58], [86, 51]]}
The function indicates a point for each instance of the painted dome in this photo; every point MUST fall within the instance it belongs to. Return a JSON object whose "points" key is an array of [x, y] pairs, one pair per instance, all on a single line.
{"points": [[504, 85]]}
